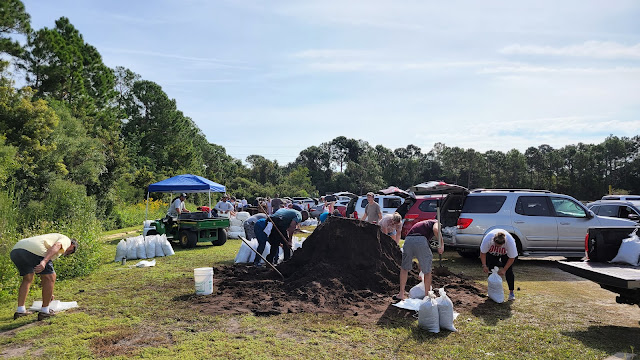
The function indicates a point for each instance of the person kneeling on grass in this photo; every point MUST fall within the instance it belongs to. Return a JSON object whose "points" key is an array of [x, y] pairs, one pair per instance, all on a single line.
{"points": [[36, 255], [416, 245], [498, 248]]}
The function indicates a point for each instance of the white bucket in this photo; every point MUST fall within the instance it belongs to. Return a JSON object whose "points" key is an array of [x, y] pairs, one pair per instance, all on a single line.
{"points": [[204, 280]]}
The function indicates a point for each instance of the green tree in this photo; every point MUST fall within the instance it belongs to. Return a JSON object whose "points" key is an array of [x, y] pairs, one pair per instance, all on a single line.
{"points": [[13, 20]]}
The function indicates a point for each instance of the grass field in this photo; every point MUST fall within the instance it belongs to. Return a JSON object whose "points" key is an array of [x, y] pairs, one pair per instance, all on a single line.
{"points": [[129, 312]]}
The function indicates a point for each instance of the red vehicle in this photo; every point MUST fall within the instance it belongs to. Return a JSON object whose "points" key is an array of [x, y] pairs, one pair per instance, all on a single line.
{"points": [[423, 208]]}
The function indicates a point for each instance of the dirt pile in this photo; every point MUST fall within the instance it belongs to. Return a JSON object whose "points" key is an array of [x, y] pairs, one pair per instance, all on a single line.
{"points": [[344, 267]]}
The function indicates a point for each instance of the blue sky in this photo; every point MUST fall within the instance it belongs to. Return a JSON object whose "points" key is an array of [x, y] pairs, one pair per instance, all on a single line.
{"points": [[275, 77]]}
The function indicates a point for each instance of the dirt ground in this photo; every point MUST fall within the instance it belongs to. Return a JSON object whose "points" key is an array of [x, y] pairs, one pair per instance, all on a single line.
{"points": [[345, 267]]}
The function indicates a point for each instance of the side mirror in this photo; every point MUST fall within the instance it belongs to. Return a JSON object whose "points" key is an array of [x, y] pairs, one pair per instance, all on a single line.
{"points": [[634, 217], [590, 214]]}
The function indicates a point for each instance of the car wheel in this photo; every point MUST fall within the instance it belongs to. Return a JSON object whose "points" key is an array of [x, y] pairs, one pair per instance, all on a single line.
{"points": [[188, 239], [222, 238]]}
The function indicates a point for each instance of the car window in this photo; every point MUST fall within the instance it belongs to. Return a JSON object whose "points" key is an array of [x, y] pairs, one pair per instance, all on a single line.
{"points": [[567, 208], [483, 204], [608, 210], [595, 209], [391, 203], [428, 206], [365, 201], [533, 206]]}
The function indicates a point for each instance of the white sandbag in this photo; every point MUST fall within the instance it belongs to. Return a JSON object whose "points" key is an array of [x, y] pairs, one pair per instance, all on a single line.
{"points": [[54, 305], [234, 228], [150, 246], [629, 252], [132, 252], [445, 311], [254, 246], [167, 249], [418, 292], [235, 222], [235, 234], [243, 255], [496, 293], [157, 240], [243, 215], [121, 250], [296, 243], [141, 252], [145, 231], [428, 317]]}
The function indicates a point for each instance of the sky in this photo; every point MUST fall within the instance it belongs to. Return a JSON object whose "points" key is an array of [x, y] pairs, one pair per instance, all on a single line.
{"points": [[275, 77]]}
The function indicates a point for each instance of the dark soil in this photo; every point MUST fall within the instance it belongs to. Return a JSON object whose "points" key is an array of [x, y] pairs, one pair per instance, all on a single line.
{"points": [[346, 267]]}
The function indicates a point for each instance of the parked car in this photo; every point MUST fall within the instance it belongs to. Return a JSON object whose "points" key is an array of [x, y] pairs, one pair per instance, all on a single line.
{"points": [[620, 209], [542, 222], [622, 197], [422, 207], [388, 204], [306, 202], [344, 198]]}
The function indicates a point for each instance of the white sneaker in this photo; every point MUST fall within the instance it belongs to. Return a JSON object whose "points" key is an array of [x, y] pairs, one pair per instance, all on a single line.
{"points": [[512, 297]]}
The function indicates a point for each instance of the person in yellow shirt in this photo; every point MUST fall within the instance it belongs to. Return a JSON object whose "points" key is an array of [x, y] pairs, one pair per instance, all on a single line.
{"points": [[36, 255]]}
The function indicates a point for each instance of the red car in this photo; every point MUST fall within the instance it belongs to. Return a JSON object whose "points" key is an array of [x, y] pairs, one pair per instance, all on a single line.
{"points": [[424, 208]]}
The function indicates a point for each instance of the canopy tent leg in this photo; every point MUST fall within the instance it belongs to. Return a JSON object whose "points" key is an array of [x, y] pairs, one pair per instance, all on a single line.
{"points": [[146, 212]]}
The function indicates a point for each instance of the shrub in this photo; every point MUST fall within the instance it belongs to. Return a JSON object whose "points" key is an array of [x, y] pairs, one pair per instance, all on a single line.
{"points": [[127, 215]]}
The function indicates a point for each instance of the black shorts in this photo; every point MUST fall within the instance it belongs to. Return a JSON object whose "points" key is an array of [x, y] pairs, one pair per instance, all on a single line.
{"points": [[25, 261]]}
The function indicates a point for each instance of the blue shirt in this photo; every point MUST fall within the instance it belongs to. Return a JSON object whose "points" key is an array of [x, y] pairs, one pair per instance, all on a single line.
{"points": [[323, 217]]}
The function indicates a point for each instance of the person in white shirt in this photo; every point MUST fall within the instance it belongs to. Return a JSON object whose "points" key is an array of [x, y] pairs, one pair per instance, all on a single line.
{"points": [[177, 206], [245, 204], [498, 248], [223, 206]]}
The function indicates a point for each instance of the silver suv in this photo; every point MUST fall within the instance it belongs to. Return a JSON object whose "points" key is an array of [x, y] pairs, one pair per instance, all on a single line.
{"points": [[543, 223]]}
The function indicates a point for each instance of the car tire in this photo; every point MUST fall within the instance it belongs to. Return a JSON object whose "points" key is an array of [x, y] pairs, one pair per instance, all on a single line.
{"points": [[188, 239], [222, 238]]}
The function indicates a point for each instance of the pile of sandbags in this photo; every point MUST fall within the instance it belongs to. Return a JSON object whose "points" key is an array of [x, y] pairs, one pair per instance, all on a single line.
{"points": [[245, 255], [236, 229], [143, 247], [436, 313]]}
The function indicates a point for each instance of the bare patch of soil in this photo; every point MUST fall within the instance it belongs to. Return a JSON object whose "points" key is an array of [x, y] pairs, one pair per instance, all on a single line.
{"points": [[127, 342], [345, 267]]}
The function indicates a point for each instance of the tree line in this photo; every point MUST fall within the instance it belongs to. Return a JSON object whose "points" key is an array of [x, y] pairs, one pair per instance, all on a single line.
{"points": [[80, 123]]}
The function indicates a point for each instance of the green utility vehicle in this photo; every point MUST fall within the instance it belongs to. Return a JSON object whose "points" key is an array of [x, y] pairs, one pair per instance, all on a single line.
{"points": [[193, 227]]}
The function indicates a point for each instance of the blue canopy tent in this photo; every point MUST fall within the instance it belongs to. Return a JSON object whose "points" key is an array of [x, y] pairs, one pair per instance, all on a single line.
{"points": [[186, 183]]}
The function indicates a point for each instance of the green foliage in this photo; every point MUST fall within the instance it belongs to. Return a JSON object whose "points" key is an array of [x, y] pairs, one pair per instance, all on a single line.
{"points": [[9, 280], [125, 215], [13, 20]]}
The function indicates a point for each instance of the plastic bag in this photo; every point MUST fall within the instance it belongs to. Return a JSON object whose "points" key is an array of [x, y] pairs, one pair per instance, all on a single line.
{"points": [[157, 240], [234, 228], [166, 246], [418, 291], [132, 252], [629, 252], [242, 215], [243, 255], [428, 317], [235, 222], [496, 293], [445, 311], [146, 263], [121, 250], [150, 246], [141, 252]]}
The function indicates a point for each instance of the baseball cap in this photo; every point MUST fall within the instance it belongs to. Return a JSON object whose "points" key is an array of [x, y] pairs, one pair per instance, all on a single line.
{"points": [[184, 194]]}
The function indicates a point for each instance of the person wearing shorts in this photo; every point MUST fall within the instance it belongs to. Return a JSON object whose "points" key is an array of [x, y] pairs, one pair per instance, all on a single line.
{"points": [[36, 255], [416, 245]]}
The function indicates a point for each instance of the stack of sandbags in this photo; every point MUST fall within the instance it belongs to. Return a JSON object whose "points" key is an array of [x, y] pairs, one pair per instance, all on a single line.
{"points": [[245, 255], [437, 313], [243, 216], [236, 229], [143, 247]]}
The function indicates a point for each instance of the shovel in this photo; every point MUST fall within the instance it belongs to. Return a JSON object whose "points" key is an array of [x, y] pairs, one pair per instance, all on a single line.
{"points": [[262, 257], [440, 270]]}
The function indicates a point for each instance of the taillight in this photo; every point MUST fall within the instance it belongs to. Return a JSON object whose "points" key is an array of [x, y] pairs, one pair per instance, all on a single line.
{"points": [[586, 246], [464, 223], [355, 215], [411, 217]]}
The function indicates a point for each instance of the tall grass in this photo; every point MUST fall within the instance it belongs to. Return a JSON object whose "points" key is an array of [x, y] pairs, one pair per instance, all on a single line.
{"points": [[134, 214]]}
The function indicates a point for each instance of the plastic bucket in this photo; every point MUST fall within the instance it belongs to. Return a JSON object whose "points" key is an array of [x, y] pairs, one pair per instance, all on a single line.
{"points": [[204, 280]]}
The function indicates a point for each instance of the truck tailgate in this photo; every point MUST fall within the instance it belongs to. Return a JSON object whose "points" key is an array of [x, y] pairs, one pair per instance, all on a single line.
{"points": [[622, 276]]}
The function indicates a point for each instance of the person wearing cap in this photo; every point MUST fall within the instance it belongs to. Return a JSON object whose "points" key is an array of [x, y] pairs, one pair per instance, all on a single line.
{"points": [[36, 255], [177, 206]]}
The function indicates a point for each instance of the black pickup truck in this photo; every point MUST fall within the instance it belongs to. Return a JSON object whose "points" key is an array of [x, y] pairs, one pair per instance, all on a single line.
{"points": [[602, 245]]}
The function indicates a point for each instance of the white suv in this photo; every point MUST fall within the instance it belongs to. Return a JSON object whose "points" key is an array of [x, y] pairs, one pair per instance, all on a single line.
{"points": [[388, 204], [543, 223]]}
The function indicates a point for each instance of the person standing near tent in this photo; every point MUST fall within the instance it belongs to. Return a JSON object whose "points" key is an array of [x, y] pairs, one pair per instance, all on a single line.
{"points": [[177, 206], [285, 221], [498, 248], [223, 206], [36, 255]]}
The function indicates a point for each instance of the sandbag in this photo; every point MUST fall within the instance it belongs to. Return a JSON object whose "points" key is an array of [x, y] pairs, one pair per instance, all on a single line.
{"points": [[235, 222], [235, 234], [445, 311], [121, 250], [296, 243], [243, 215], [141, 252], [243, 255], [629, 252], [166, 246], [418, 291], [234, 228], [496, 293], [428, 317], [132, 252], [150, 246], [157, 240]]}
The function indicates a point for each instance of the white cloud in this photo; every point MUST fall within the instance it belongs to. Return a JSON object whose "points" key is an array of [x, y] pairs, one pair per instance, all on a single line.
{"points": [[590, 49], [212, 62], [532, 69]]}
